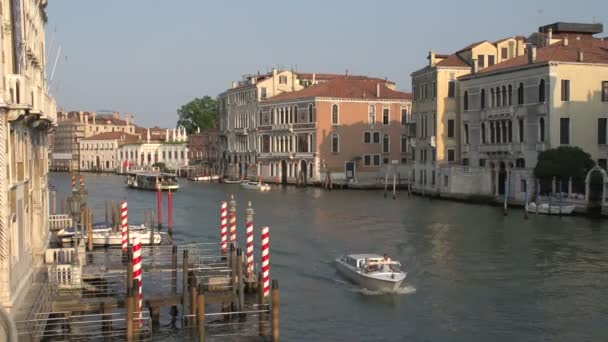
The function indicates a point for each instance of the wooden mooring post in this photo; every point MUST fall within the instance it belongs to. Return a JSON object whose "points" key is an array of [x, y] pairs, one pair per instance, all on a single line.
{"points": [[174, 270], [261, 307], [130, 312], [200, 313], [275, 311], [89, 215], [185, 280], [241, 283]]}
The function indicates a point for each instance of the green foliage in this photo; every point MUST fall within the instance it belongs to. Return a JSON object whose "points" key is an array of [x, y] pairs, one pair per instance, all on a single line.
{"points": [[563, 162], [200, 112]]}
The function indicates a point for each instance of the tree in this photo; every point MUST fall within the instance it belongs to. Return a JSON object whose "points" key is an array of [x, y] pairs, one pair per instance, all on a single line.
{"points": [[199, 113], [563, 163]]}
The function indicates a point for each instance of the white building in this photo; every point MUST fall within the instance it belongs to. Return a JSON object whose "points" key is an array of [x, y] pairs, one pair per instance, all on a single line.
{"points": [[98, 152], [27, 114], [172, 151]]}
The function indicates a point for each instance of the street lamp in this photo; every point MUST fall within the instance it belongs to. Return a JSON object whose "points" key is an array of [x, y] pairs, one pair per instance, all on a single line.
{"points": [[74, 202]]}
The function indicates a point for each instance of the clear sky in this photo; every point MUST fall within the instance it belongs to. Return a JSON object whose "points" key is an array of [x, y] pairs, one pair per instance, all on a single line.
{"points": [[150, 57]]}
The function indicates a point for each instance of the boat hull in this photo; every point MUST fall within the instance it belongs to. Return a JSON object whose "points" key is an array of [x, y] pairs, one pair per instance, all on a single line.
{"points": [[367, 282], [552, 210], [256, 186]]}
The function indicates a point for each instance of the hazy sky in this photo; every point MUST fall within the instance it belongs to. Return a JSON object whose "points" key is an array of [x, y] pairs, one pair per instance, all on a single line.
{"points": [[150, 57]]}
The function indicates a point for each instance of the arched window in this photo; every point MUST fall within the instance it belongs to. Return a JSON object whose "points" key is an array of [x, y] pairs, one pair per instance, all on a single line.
{"points": [[483, 132], [492, 132], [510, 95], [372, 115], [510, 131], [493, 98], [498, 101], [335, 143], [334, 114], [483, 98], [465, 100], [541, 129], [541, 91], [260, 122], [310, 116], [272, 116], [385, 144], [504, 96], [17, 92], [295, 114], [520, 94], [520, 163]]}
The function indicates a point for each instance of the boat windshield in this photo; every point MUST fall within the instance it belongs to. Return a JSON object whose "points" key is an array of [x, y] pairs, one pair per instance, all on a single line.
{"points": [[381, 268]]}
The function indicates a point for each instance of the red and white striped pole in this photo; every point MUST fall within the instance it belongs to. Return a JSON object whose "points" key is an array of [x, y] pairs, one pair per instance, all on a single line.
{"points": [[125, 225], [73, 182], [137, 274], [81, 182], [266, 261], [232, 221], [224, 226], [249, 227], [159, 204]]}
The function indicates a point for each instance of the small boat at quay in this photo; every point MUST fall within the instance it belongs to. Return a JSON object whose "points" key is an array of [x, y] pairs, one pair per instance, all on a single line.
{"points": [[371, 271], [231, 181], [251, 185], [152, 181], [545, 209], [103, 235], [209, 178]]}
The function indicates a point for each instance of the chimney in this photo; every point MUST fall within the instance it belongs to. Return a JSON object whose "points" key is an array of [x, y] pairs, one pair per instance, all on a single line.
{"points": [[86, 118], [128, 118], [93, 118], [80, 114], [274, 81], [314, 77], [116, 115], [580, 56], [565, 41], [475, 65], [431, 58], [531, 49], [549, 36], [378, 90], [234, 84]]}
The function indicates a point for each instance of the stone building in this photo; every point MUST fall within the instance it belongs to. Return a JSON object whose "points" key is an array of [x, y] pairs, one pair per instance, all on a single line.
{"points": [[317, 130], [27, 114], [170, 149], [98, 152], [204, 147], [555, 95], [74, 126]]}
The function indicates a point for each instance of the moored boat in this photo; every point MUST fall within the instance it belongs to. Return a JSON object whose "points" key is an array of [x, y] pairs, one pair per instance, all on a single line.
{"points": [[231, 181], [209, 178], [103, 235], [251, 185], [152, 181], [545, 209], [371, 271]]}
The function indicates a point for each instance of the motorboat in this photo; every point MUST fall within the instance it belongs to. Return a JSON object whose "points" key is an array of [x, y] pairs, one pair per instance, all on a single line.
{"points": [[371, 271], [209, 178], [103, 235], [231, 181], [252, 185], [545, 209], [154, 180]]}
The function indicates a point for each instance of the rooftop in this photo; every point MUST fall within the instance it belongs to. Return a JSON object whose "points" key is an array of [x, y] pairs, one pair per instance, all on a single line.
{"points": [[583, 28], [113, 136]]}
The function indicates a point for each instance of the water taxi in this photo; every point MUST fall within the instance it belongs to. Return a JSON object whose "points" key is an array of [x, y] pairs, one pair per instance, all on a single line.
{"points": [[545, 209], [251, 185], [152, 181], [371, 271]]}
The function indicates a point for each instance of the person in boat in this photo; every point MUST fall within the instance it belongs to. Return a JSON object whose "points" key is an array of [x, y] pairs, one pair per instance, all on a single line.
{"points": [[385, 265]]}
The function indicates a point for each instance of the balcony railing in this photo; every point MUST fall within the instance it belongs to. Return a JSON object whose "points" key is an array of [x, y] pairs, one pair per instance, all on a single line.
{"points": [[495, 148], [305, 125], [19, 90], [283, 127]]}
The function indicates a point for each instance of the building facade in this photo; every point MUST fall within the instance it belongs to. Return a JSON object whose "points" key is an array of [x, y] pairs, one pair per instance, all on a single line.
{"points": [[312, 133], [555, 95], [436, 105], [98, 152], [74, 126], [204, 147], [27, 114], [172, 150]]}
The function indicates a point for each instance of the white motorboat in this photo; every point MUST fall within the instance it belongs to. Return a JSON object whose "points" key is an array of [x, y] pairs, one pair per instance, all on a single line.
{"points": [[371, 271], [104, 236], [251, 185], [545, 209], [231, 181], [210, 178]]}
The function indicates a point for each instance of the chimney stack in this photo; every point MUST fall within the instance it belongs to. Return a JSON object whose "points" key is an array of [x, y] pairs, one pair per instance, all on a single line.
{"points": [[116, 115], [378, 90], [549, 36], [531, 53], [475, 65], [234, 84], [580, 56], [86, 118], [80, 114], [431, 58], [314, 77]]}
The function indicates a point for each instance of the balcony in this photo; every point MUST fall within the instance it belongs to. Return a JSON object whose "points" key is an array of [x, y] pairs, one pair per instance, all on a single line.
{"points": [[282, 127], [19, 91], [496, 148], [305, 125], [240, 131], [498, 113]]}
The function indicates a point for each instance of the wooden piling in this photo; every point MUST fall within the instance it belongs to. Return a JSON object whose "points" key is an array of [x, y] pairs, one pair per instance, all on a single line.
{"points": [[193, 298], [200, 314], [106, 211], [526, 200], [185, 279], [275, 311], [130, 312], [155, 317], [135, 300], [174, 268], [233, 269], [239, 274], [129, 266], [394, 184], [90, 228], [54, 202], [261, 307]]}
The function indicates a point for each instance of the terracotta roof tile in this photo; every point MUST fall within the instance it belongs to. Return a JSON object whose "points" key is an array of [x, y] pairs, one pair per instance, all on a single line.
{"points": [[345, 88], [328, 77], [473, 45], [113, 136], [453, 61]]}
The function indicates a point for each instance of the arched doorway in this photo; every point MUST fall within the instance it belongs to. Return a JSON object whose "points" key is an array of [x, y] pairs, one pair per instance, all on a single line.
{"points": [[283, 172], [97, 164], [502, 177], [595, 186], [302, 174]]}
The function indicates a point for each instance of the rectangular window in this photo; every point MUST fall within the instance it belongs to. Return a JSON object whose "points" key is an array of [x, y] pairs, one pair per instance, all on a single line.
{"points": [[385, 161], [335, 143], [367, 160], [523, 185], [403, 160], [385, 144], [481, 61], [604, 91], [450, 128], [403, 143], [403, 116], [565, 90], [376, 137], [602, 163], [434, 90], [601, 131], [482, 162], [451, 88], [504, 53], [521, 130], [451, 155], [386, 116], [466, 134], [376, 160], [367, 137], [491, 60], [263, 93], [445, 180], [564, 131]]}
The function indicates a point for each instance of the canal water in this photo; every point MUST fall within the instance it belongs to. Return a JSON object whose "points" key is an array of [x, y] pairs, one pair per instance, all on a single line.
{"points": [[473, 274]]}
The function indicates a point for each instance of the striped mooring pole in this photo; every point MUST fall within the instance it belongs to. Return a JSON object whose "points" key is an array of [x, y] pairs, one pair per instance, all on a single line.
{"points": [[266, 261], [137, 274], [125, 226], [73, 182], [159, 206], [224, 227], [249, 227], [232, 221], [81, 181]]}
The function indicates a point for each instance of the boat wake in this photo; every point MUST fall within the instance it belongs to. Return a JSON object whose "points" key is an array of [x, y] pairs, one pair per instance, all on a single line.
{"points": [[405, 290]]}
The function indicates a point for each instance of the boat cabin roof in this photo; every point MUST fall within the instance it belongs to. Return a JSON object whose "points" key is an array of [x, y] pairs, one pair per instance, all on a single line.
{"points": [[153, 174], [365, 256]]}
